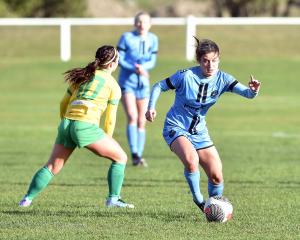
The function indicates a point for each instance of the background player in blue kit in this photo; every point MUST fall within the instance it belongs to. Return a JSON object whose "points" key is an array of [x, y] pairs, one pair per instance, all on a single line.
{"points": [[185, 131], [138, 50]]}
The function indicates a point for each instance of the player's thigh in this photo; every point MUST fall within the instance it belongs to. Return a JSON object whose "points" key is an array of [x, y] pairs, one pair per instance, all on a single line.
{"points": [[109, 148], [130, 107], [142, 105], [186, 152], [59, 156], [210, 161]]}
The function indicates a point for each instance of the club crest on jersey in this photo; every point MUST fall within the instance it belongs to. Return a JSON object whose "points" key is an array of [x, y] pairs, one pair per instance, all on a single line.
{"points": [[214, 93], [183, 70], [172, 133]]}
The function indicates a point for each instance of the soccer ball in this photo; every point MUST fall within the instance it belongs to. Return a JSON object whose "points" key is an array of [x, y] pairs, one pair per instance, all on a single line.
{"points": [[218, 209]]}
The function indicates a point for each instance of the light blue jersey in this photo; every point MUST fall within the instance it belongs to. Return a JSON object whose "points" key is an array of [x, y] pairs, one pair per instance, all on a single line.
{"points": [[195, 94], [135, 49]]}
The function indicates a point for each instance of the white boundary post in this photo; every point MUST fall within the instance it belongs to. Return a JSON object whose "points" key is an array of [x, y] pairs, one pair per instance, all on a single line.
{"points": [[190, 42], [65, 40]]}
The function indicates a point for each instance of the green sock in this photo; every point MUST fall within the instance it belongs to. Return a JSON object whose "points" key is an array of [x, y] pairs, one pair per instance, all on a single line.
{"points": [[115, 178], [39, 181]]}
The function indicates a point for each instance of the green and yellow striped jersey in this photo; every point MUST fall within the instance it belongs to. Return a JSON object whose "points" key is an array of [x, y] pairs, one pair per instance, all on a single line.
{"points": [[90, 100]]}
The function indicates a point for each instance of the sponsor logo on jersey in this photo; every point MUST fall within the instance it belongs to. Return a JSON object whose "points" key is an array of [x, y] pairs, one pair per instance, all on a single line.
{"points": [[191, 107], [214, 93]]}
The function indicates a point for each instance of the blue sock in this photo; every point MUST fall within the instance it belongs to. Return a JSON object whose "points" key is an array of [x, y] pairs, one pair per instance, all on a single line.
{"points": [[141, 142], [132, 137], [215, 189], [193, 179]]}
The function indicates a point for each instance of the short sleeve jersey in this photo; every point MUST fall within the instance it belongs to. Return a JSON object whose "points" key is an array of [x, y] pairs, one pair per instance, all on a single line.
{"points": [[195, 94], [137, 49], [89, 101]]}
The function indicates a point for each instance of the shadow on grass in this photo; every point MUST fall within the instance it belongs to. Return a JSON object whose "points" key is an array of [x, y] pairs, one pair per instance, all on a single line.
{"points": [[160, 182], [246, 182], [262, 184], [103, 182], [162, 215], [289, 182], [255, 182]]}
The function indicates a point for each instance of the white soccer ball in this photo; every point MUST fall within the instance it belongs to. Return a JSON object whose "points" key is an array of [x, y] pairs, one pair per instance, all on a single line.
{"points": [[218, 209]]}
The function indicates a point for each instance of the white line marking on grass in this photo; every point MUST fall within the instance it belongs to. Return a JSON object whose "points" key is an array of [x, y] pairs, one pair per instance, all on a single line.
{"points": [[261, 134], [285, 135]]}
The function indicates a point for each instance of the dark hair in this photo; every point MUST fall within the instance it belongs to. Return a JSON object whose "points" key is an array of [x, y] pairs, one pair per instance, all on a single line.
{"points": [[205, 46], [104, 56]]}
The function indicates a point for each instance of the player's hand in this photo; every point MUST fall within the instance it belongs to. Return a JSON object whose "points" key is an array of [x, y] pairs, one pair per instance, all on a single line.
{"points": [[150, 115], [254, 84], [141, 71]]}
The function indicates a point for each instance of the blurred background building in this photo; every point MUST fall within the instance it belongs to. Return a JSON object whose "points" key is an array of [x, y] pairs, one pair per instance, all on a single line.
{"points": [[157, 8]]}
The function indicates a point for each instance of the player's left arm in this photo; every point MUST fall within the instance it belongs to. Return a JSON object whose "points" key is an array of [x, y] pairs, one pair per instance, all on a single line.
{"points": [[150, 63], [111, 110], [249, 92], [254, 84]]}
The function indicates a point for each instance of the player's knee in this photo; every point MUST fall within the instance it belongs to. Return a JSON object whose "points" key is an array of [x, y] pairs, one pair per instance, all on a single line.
{"points": [[55, 167], [216, 178], [132, 119], [141, 123], [122, 158], [192, 164]]}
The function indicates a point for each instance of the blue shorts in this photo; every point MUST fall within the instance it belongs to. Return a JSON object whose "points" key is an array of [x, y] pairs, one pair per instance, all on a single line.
{"points": [[139, 93], [138, 85], [200, 140]]}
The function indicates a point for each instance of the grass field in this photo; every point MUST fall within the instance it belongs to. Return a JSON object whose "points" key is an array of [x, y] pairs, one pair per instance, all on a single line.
{"points": [[258, 141]]}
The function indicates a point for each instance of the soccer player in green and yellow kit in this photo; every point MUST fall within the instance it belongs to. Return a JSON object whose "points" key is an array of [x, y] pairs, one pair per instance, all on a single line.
{"points": [[92, 91]]}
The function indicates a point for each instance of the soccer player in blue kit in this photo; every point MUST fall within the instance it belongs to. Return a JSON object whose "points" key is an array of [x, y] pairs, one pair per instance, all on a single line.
{"points": [[197, 89], [138, 50]]}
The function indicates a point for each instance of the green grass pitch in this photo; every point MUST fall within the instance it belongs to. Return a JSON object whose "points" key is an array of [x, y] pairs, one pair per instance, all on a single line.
{"points": [[258, 141]]}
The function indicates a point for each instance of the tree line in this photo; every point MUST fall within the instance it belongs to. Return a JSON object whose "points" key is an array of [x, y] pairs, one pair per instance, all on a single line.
{"points": [[77, 8], [245, 8], [42, 8]]}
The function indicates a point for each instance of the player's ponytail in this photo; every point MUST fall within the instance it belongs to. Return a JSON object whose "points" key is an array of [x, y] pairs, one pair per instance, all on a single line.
{"points": [[104, 56]]}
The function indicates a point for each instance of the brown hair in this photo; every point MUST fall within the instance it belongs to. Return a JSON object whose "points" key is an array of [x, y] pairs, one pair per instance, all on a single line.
{"points": [[205, 46], [104, 56]]}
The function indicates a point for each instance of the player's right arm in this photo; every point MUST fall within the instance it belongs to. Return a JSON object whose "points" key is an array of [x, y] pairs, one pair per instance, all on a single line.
{"points": [[155, 92], [110, 118], [65, 102], [122, 48], [161, 86]]}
